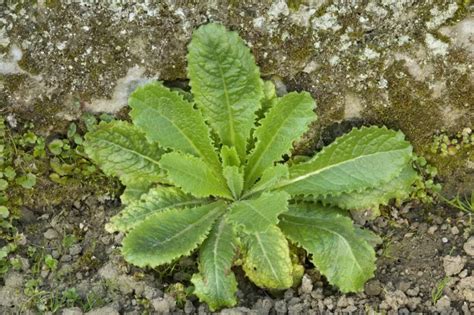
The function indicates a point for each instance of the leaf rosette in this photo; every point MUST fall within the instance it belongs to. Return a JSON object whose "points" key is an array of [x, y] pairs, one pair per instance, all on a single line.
{"points": [[210, 175]]}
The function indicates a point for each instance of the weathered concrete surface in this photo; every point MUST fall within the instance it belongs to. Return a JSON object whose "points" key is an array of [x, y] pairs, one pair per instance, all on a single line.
{"points": [[406, 64]]}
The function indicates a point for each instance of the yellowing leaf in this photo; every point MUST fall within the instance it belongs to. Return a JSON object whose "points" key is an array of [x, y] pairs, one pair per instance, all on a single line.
{"points": [[215, 283]]}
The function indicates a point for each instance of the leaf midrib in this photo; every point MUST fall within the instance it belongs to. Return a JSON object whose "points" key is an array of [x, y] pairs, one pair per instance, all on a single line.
{"points": [[131, 151], [186, 229], [228, 106], [214, 252], [245, 202], [318, 171], [266, 145], [196, 149], [175, 205], [260, 244]]}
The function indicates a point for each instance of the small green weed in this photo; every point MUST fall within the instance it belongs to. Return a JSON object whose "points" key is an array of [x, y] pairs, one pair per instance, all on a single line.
{"points": [[437, 291]]}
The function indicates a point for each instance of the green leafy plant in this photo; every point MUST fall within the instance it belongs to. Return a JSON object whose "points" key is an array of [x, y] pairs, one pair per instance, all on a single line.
{"points": [[208, 173]]}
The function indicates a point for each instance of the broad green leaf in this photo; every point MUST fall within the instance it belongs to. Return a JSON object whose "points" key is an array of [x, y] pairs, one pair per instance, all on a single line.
{"points": [[134, 191], [397, 188], [270, 177], [121, 150], [166, 117], [193, 176], [158, 199], [235, 180], [283, 124], [363, 158], [229, 156], [266, 259], [167, 235], [340, 252], [259, 214], [370, 237], [215, 283], [225, 83]]}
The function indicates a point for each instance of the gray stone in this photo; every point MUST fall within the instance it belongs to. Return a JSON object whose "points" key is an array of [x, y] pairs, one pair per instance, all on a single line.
{"points": [[373, 288], [263, 306], [394, 300], [11, 293], [237, 311], [404, 286], [296, 309], [189, 307], [306, 284], [161, 305], [469, 246], [108, 271], [414, 291], [75, 249], [72, 311], [51, 234], [106, 310], [466, 288], [453, 264], [280, 307], [443, 303]]}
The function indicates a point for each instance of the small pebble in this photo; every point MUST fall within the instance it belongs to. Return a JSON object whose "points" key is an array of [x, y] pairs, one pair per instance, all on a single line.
{"points": [[432, 229], [454, 230], [469, 246], [453, 264], [50, 234], [373, 288]]}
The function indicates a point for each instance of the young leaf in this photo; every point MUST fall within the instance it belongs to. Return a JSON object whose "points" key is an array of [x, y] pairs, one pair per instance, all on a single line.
{"points": [[167, 118], [267, 259], [284, 123], [256, 215], [340, 253], [229, 156], [193, 176], [270, 177], [235, 180], [215, 283], [225, 83], [399, 188], [158, 199], [363, 158], [121, 150], [167, 235]]}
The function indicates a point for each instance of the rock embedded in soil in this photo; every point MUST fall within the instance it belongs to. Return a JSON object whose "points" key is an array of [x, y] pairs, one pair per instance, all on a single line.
{"points": [[466, 287], [106, 310], [373, 288], [72, 311], [443, 304], [161, 305], [51, 234], [469, 246], [306, 284], [453, 265]]}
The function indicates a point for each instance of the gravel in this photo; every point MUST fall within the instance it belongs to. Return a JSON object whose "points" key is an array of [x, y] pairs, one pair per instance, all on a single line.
{"points": [[469, 246], [373, 288], [51, 234], [453, 265]]}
